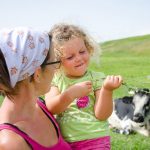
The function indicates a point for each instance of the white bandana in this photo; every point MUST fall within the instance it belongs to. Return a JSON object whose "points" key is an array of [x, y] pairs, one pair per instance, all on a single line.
{"points": [[24, 50]]}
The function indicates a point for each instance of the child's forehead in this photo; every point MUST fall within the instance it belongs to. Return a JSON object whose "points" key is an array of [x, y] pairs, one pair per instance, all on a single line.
{"points": [[66, 51], [75, 43], [71, 46]]}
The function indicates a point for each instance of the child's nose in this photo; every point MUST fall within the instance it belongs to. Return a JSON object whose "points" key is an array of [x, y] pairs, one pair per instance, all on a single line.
{"points": [[78, 58]]}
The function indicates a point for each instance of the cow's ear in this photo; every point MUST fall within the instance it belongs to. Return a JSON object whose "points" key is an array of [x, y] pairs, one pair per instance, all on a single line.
{"points": [[146, 90], [149, 98], [127, 99], [131, 99]]}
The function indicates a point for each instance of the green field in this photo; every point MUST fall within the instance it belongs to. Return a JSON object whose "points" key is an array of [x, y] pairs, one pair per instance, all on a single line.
{"points": [[130, 58]]}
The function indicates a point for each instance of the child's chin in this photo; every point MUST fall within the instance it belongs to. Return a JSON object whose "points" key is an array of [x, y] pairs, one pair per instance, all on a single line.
{"points": [[81, 74]]}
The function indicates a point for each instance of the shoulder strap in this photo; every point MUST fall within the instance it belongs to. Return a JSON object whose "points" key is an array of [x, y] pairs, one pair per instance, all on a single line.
{"points": [[42, 104], [33, 144], [18, 131]]}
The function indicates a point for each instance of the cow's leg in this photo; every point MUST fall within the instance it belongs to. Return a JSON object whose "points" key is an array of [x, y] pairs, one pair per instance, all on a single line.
{"points": [[120, 126], [126, 126], [114, 121], [142, 129]]}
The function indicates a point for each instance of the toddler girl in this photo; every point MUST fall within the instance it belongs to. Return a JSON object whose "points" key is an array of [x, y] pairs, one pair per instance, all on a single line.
{"points": [[82, 99]]}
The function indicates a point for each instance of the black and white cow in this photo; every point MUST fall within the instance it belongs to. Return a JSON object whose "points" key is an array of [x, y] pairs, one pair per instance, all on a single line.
{"points": [[132, 113]]}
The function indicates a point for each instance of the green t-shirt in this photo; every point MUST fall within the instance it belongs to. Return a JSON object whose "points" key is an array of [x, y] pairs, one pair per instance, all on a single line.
{"points": [[79, 123]]}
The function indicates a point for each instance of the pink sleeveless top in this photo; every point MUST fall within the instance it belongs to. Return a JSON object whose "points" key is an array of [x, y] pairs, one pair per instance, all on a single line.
{"points": [[61, 145]]}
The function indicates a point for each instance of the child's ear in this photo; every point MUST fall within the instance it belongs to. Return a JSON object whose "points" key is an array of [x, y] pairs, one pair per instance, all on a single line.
{"points": [[37, 75]]}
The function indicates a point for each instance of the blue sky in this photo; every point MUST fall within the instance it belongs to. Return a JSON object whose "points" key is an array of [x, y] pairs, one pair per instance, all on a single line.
{"points": [[103, 19]]}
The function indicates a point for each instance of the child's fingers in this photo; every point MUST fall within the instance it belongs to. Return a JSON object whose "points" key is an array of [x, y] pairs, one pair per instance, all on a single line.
{"points": [[115, 78], [110, 78], [119, 78], [88, 82], [89, 85]]}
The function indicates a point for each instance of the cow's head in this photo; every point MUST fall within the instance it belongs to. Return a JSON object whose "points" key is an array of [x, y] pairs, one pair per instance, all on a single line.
{"points": [[141, 102]]}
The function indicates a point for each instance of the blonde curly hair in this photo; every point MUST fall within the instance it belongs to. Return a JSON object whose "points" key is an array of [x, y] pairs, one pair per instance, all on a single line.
{"points": [[62, 33]]}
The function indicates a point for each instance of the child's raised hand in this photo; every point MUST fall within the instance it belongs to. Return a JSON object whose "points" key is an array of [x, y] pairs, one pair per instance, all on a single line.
{"points": [[80, 89], [112, 82]]}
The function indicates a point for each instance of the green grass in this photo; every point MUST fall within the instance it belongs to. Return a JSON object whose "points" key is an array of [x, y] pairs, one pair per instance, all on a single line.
{"points": [[134, 69], [129, 58], [129, 142], [1, 98]]}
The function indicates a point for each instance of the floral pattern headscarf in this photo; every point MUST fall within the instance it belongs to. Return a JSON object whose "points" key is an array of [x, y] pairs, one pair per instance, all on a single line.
{"points": [[24, 50]]}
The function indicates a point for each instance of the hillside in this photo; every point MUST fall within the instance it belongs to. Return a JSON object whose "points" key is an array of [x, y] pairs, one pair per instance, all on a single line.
{"points": [[128, 57], [138, 46]]}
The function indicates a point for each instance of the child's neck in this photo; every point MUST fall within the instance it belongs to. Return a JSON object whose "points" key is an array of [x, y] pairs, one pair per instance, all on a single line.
{"points": [[75, 77]]}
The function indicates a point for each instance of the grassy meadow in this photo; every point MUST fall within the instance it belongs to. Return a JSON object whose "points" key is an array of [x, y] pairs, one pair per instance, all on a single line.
{"points": [[130, 58]]}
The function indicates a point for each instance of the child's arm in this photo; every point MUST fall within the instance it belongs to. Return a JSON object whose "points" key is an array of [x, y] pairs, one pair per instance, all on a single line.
{"points": [[57, 102], [104, 104]]}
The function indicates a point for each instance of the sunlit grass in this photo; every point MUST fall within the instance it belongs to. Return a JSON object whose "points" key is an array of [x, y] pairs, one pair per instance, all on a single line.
{"points": [[120, 58], [135, 77]]}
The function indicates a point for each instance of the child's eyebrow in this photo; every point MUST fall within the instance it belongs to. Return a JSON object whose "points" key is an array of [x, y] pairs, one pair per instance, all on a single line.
{"points": [[82, 48]]}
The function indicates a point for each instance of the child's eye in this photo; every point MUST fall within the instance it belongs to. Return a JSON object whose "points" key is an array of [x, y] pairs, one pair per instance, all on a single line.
{"points": [[82, 52], [69, 58]]}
